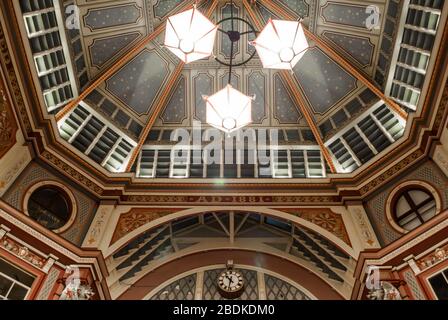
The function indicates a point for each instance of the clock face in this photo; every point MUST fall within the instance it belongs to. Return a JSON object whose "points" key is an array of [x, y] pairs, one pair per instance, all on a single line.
{"points": [[231, 281]]}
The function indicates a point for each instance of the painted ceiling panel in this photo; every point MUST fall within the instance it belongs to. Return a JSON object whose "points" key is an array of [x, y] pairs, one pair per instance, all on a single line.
{"points": [[112, 16], [176, 110], [224, 39], [360, 48], [163, 7], [132, 90], [234, 81], [138, 83], [285, 110], [266, 14], [203, 85], [346, 14], [104, 49], [323, 81], [257, 88], [298, 6]]}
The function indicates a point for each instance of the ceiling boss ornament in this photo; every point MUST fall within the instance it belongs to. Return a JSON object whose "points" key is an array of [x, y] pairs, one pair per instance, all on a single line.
{"points": [[191, 36]]}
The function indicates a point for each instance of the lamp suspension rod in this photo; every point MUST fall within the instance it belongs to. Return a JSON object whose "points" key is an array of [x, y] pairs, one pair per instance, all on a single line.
{"points": [[231, 42]]}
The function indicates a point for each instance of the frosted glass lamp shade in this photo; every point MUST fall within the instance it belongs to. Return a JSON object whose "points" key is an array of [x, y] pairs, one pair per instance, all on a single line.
{"points": [[281, 44], [190, 35], [228, 110]]}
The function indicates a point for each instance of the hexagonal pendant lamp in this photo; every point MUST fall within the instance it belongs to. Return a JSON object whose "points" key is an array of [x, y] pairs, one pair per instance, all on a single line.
{"points": [[191, 37]]}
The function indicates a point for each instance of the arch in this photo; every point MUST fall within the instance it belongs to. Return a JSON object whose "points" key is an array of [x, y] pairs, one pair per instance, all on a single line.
{"points": [[161, 274], [238, 266], [260, 210], [207, 248]]}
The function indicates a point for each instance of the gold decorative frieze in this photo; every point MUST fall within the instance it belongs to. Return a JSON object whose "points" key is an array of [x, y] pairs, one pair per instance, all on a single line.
{"points": [[22, 252], [439, 255], [8, 125]]}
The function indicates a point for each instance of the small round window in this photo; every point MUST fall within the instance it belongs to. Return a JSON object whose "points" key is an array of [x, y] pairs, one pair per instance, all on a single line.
{"points": [[50, 206], [413, 207]]}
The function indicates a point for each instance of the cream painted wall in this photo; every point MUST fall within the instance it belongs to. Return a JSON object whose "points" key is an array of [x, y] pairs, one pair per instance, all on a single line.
{"points": [[13, 163]]}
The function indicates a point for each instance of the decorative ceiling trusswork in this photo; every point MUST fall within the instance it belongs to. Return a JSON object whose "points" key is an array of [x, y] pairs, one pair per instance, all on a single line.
{"points": [[324, 83], [128, 97], [120, 132]]}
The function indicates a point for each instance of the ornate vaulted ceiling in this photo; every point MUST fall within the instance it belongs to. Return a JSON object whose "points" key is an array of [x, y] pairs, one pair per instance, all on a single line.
{"points": [[114, 94], [111, 28]]}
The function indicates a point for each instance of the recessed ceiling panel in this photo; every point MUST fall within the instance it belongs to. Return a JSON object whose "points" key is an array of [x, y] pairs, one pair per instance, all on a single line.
{"points": [[203, 85], [285, 110], [298, 6], [108, 17], [257, 88], [176, 110], [138, 83], [346, 14], [359, 48], [105, 48], [163, 7], [323, 81]]}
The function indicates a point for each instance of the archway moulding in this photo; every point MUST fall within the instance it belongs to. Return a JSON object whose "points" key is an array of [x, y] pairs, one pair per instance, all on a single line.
{"points": [[296, 273], [148, 218]]}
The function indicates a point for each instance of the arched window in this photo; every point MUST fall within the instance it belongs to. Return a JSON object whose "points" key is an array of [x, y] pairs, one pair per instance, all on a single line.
{"points": [[50, 206], [413, 206]]}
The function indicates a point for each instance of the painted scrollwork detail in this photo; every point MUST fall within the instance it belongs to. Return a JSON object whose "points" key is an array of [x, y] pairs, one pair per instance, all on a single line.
{"points": [[363, 224], [136, 218], [324, 218], [7, 123], [97, 228]]}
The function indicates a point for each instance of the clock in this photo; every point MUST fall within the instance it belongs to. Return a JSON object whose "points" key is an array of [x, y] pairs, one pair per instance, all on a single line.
{"points": [[231, 284]]}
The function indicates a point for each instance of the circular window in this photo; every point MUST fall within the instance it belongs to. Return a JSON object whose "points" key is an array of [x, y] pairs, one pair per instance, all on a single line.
{"points": [[51, 205], [412, 204]]}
